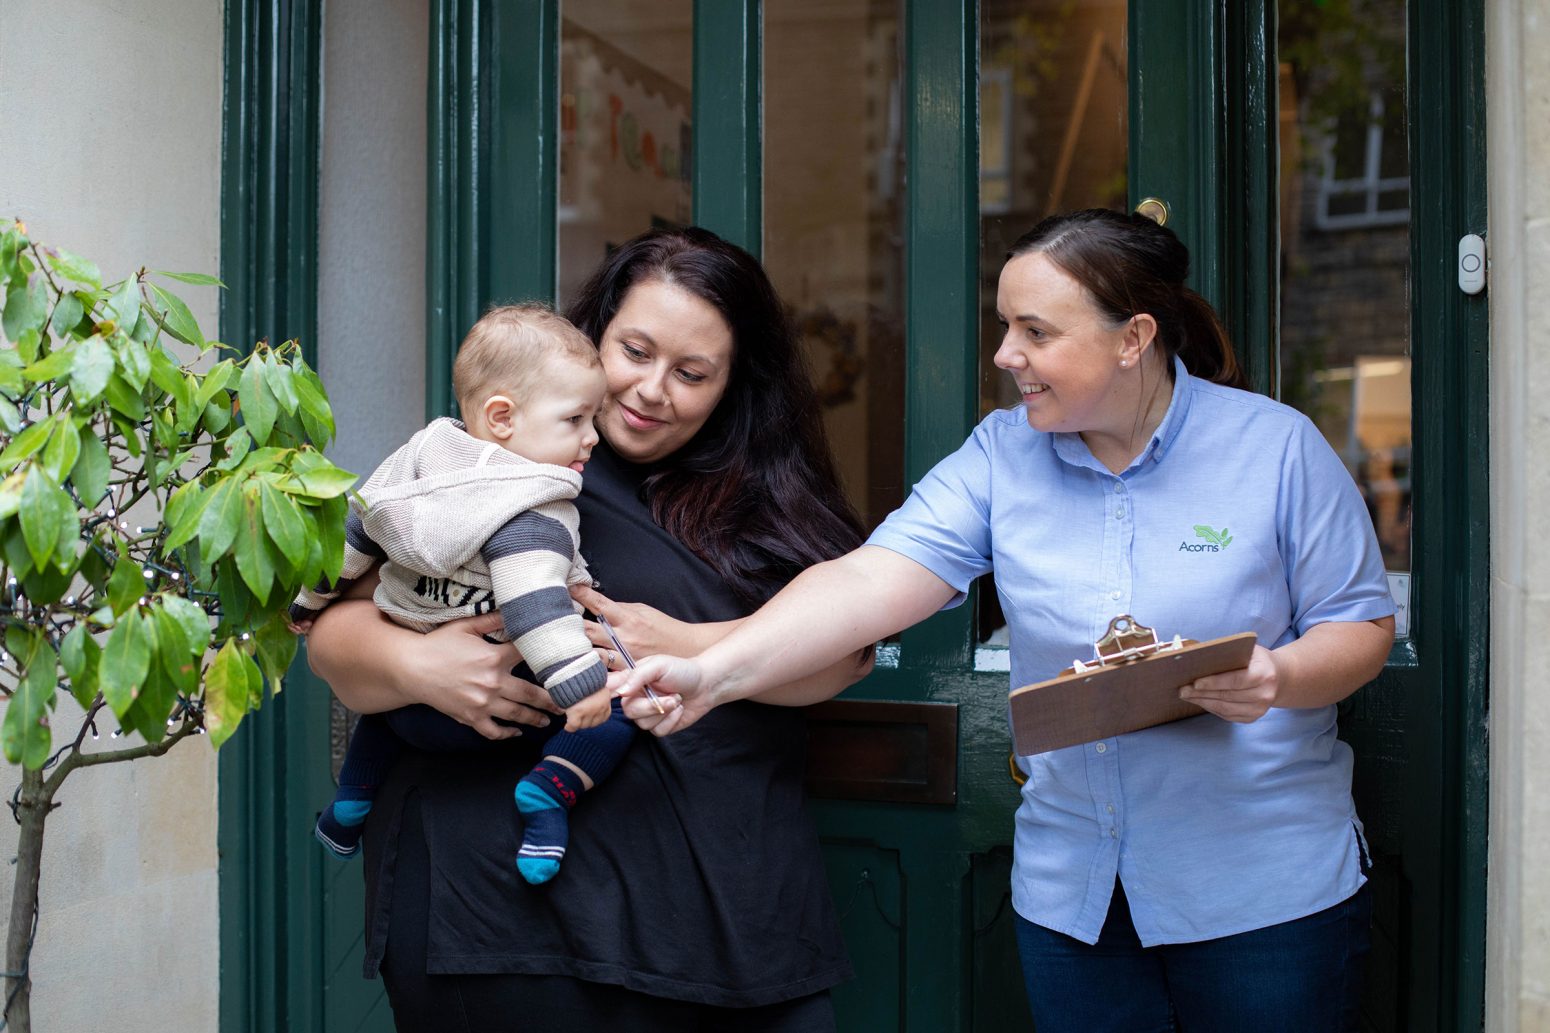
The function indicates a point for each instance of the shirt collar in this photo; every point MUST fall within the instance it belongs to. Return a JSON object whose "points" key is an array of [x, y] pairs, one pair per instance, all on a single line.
{"points": [[1071, 448]]}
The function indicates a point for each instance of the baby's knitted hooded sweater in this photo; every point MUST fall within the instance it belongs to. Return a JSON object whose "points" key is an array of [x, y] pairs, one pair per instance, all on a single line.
{"points": [[464, 527]]}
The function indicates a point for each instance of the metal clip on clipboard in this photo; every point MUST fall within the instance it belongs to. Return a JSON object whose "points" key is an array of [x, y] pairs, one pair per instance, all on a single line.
{"points": [[1124, 642]]}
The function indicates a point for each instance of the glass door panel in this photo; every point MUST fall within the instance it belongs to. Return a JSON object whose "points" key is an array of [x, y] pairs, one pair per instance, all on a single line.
{"points": [[625, 105], [1054, 136], [834, 155], [1345, 250]]}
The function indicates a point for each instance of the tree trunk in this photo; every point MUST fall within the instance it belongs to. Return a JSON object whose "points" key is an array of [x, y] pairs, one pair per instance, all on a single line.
{"points": [[34, 807]]}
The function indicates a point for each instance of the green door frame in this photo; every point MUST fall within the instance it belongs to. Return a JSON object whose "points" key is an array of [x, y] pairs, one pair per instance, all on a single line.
{"points": [[491, 235]]}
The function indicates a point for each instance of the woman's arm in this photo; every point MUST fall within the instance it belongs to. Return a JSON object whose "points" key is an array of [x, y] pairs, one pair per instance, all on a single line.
{"points": [[374, 665], [647, 631], [796, 642], [1324, 666]]}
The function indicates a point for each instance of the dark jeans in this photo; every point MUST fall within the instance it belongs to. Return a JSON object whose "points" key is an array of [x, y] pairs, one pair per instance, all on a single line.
{"points": [[1303, 976]]}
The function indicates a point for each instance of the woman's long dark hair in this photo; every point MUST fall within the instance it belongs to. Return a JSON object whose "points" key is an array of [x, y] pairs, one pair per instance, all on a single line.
{"points": [[1130, 264], [754, 493]]}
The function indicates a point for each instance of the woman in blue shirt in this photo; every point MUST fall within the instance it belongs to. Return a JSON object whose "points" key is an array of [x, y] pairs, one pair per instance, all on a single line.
{"points": [[1202, 875]]}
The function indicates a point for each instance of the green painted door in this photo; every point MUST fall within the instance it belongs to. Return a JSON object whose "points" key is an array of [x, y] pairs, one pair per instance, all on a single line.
{"points": [[948, 127]]}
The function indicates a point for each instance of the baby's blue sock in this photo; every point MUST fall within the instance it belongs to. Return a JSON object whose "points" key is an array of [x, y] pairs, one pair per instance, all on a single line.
{"points": [[545, 796], [339, 826]]}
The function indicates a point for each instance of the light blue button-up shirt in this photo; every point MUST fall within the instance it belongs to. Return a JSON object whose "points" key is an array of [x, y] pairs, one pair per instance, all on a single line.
{"points": [[1237, 516]]}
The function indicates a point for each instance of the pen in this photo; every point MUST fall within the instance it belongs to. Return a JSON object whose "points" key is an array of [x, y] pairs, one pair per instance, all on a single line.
{"points": [[629, 661]]}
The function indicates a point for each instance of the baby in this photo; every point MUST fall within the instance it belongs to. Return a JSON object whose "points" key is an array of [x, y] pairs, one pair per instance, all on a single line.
{"points": [[474, 516]]}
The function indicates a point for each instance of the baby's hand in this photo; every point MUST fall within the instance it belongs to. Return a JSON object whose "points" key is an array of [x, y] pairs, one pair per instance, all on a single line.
{"points": [[589, 713], [299, 627]]}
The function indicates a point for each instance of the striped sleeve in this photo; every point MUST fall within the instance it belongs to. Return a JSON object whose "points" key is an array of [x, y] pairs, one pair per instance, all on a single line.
{"points": [[528, 559], [360, 552]]}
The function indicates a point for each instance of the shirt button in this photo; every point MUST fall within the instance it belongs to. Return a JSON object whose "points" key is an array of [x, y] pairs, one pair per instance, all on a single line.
{"points": [[1103, 747], [1113, 832], [1119, 486], [1115, 594], [1120, 512], [1110, 808]]}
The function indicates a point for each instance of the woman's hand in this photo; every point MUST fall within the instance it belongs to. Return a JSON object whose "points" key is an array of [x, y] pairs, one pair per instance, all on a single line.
{"points": [[1243, 695], [469, 679], [645, 631], [681, 688]]}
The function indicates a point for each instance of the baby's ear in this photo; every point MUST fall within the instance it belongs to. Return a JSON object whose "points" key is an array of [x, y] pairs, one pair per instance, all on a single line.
{"points": [[498, 412]]}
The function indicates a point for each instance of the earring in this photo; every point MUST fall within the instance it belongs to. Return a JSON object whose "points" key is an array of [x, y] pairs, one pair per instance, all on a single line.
{"points": [[1123, 363]]}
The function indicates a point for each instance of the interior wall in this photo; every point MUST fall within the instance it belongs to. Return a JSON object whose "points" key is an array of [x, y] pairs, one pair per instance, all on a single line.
{"points": [[371, 225], [111, 117], [1518, 888]]}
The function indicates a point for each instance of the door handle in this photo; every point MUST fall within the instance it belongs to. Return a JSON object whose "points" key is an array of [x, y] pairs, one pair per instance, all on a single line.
{"points": [[1156, 209]]}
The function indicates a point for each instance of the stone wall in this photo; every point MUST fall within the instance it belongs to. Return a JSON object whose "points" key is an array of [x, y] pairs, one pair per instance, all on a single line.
{"points": [[111, 117], [1518, 919]]}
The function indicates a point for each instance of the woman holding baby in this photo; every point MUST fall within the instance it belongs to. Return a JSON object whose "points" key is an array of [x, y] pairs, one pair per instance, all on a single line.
{"points": [[692, 896]]}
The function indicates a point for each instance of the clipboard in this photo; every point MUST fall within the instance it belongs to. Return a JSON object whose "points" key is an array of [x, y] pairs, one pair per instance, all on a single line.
{"points": [[1131, 683]]}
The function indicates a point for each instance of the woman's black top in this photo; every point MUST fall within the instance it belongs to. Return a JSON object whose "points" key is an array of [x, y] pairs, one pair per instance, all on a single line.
{"points": [[693, 871]]}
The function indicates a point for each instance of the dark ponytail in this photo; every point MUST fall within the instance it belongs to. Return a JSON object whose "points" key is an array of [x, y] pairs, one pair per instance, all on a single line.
{"points": [[1130, 264]]}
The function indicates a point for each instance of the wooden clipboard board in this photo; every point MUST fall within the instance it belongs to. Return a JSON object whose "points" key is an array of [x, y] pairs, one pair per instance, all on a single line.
{"points": [[1132, 683]]}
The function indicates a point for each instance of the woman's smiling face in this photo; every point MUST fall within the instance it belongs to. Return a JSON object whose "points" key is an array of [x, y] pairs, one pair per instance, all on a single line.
{"points": [[668, 358], [1061, 350]]}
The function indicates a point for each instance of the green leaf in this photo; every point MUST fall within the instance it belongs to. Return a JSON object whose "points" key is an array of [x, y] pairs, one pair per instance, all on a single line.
{"points": [[178, 656], [66, 314], [217, 417], [26, 308], [28, 344], [11, 364], [237, 446], [80, 656], [25, 734], [44, 507], [258, 405], [51, 367], [94, 364], [194, 620], [221, 520], [26, 443], [147, 715], [218, 377], [125, 400], [126, 585], [175, 317], [73, 267], [282, 519], [226, 692], [281, 381], [276, 648], [92, 470], [10, 416], [124, 304], [134, 362], [199, 279], [331, 524], [188, 413], [317, 478], [46, 585], [125, 660], [11, 494], [64, 447], [252, 550], [14, 545], [184, 508]]}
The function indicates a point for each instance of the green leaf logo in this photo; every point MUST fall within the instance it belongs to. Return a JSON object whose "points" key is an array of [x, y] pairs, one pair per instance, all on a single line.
{"points": [[1221, 539]]}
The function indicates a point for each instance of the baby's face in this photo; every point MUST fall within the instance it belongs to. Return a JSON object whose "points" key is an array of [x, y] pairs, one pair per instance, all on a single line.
{"points": [[554, 425]]}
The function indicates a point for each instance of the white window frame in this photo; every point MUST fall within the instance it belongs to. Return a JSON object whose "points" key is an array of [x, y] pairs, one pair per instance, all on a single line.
{"points": [[1368, 186]]}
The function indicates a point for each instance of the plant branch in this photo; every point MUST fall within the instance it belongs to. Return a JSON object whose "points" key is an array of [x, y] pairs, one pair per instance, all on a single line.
{"points": [[78, 759]]}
